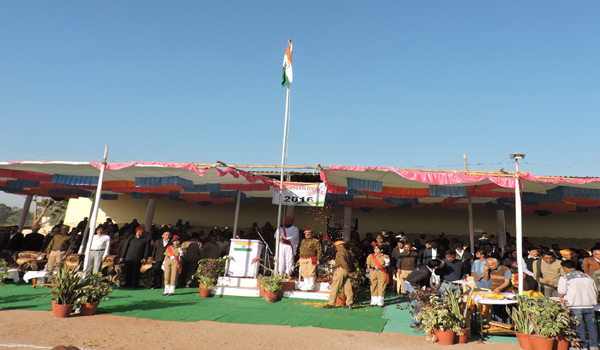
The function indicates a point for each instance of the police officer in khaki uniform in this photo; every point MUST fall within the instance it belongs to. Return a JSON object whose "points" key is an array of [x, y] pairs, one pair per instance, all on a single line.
{"points": [[344, 262], [59, 248], [172, 265], [377, 264], [310, 254]]}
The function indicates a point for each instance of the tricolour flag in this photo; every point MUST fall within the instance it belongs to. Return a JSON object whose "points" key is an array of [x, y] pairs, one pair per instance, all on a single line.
{"points": [[287, 74]]}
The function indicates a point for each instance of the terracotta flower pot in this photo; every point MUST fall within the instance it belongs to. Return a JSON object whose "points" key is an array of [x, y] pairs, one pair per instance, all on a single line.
{"points": [[524, 341], [288, 286], [271, 297], [561, 343], [89, 309], [340, 301], [542, 343], [204, 293], [60, 310], [462, 338], [261, 291], [445, 337]]}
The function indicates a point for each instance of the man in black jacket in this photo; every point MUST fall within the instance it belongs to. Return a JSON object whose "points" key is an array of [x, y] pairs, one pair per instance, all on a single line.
{"points": [[13, 240], [34, 240], [158, 256], [432, 251], [421, 277], [135, 253]]}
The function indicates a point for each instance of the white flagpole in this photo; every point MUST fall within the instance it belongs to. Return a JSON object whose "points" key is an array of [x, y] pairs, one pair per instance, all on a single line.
{"points": [[283, 156], [92, 230], [519, 224]]}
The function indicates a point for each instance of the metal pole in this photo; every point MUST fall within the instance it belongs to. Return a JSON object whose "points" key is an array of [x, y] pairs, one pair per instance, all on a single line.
{"points": [[283, 154], [88, 248], [25, 212], [237, 213], [518, 220], [470, 208]]}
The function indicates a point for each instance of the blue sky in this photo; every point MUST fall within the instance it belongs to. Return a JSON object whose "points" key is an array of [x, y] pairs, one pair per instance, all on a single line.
{"points": [[388, 83]]}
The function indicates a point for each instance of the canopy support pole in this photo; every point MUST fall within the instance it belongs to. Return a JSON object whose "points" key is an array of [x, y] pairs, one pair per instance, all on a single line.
{"points": [[237, 213], [25, 212], [88, 247], [150, 214], [347, 224], [500, 222], [470, 208]]}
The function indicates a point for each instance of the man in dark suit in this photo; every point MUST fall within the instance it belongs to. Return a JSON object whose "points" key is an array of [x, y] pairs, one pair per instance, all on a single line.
{"points": [[158, 256], [13, 240], [135, 253], [34, 240], [431, 251]]}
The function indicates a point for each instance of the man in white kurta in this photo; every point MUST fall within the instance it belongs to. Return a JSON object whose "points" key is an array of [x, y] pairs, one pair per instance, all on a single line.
{"points": [[289, 236]]}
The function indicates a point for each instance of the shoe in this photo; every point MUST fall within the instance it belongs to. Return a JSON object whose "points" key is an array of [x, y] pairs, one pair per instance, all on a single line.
{"points": [[327, 306], [347, 307], [414, 326], [165, 294]]}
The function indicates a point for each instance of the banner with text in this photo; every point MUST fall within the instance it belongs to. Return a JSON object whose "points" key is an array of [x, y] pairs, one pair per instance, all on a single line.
{"points": [[301, 194]]}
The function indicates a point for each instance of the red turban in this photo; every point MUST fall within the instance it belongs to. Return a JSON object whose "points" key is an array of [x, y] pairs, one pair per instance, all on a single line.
{"points": [[289, 218], [140, 228]]}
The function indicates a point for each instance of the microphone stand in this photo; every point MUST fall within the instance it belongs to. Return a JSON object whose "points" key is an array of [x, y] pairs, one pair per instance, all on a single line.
{"points": [[267, 251]]}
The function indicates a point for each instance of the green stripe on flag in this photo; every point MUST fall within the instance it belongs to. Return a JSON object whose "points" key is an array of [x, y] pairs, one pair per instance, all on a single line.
{"points": [[286, 81], [242, 249]]}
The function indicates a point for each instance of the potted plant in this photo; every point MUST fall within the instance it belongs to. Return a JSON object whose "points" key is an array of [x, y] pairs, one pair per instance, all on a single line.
{"points": [[67, 287], [440, 321], [460, 308], [4, 274], [340, 300], [206, 285], [550, 320], [208, 274], [97, 288], [523, 324], [271, 286]]}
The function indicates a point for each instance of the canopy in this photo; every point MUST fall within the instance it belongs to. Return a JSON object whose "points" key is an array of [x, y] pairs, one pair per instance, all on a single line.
{"points": [[387, 187], [177, 181]]}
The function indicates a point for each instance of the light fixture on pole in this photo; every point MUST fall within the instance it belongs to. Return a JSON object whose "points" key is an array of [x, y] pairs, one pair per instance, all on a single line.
{"points": [[518, 220]]}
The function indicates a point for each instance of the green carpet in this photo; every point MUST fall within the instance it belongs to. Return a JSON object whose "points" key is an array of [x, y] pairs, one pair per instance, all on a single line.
{"points": [[187, 306], [399, 322]]}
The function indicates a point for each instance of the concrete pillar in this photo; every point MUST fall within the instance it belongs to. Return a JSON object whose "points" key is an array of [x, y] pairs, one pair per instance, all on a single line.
{"points": [[150, 214], [501, 235], [25, 212], [347, 223], [289, 210]]}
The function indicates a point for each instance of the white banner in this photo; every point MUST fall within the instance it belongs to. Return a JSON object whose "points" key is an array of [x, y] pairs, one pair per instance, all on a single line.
{"points": [[301, 194]]}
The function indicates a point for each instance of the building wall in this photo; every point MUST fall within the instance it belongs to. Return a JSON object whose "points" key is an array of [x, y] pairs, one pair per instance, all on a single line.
{"points": [[429, 219]]}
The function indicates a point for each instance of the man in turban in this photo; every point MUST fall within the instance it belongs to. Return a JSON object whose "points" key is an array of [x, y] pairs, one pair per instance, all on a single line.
{"points": [[289, 236]]}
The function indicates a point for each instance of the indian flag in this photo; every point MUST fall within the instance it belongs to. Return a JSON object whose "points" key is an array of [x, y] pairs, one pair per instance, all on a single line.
{"points": [[287, 74]]}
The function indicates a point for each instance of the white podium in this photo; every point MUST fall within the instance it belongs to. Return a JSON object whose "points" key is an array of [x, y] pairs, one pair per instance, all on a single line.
{"points": [[242, 251]]}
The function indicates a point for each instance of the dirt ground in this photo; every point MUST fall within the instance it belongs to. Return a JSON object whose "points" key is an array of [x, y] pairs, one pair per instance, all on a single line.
{"points": [[22, 329]]}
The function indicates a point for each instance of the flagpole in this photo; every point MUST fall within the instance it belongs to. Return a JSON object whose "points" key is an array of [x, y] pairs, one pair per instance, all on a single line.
{"points": [[283, 156]]}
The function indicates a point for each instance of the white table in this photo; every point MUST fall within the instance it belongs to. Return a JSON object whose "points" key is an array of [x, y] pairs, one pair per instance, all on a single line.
{"points": [[34, 276], [14, 275]]}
